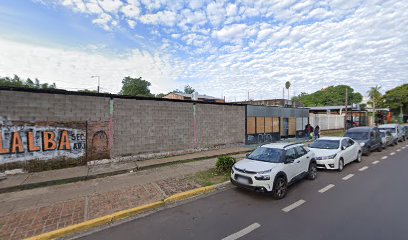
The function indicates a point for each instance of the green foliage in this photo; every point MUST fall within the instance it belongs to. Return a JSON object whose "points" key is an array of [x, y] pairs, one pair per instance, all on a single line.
{"points": [[397, 98], [287, 85], [188, 89], [88, 91], [160, 95], [224, 163], [375, 96], [330, 96], [135, 87], [16, 81]]}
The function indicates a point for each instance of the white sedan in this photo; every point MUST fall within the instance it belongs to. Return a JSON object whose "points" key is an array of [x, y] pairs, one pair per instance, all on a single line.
{"points": [[335, 152]]}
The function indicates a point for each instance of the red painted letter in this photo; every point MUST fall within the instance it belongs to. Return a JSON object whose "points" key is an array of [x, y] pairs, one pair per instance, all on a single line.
{"points": [[64, 143], [49, 141], [16, 143], [31, 144], [2, 150]]}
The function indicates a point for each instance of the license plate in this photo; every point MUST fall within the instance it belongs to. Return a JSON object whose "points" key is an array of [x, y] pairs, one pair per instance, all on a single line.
{"points": [[242, 180]]}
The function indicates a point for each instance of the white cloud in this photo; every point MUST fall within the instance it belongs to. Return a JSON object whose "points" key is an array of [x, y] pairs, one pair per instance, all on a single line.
{"points": [[166, 18], [110, 5], [131, 11], [231, 33], [71, 68]]}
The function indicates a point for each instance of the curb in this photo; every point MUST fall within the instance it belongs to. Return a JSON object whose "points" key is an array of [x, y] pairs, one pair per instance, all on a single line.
{"points": [[114, 217], [101, 175]]}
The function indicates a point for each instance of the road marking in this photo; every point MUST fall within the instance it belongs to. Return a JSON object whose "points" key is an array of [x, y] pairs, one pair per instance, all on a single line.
{"points": [[403, 147], [293, 205], [348, 176], [398, 150], [375, 162], [393, 153], [325, 189], [243, 232], [363, 168], [385, 157]]}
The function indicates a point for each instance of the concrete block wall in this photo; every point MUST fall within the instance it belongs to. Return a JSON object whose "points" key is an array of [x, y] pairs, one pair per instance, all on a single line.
{"points": [[219, 124], [144, 126], [30, 106]]}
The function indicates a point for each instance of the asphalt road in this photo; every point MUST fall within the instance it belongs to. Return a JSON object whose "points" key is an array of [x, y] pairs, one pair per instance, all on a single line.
{"points": [[372, 203]]}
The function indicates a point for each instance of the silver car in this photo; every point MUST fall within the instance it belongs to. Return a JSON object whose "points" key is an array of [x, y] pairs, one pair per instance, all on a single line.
{"points": [[395, 129], [387, 139]]}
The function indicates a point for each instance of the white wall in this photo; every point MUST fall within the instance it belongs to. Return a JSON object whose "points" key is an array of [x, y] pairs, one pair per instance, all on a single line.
{"points": [[327, 121]]}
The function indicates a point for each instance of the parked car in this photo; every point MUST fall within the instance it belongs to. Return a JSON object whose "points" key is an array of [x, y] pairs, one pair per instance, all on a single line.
{"points": [[335, 152], [387, 138], [273, 167], [368, 137], [395, 129], [405, 128]]}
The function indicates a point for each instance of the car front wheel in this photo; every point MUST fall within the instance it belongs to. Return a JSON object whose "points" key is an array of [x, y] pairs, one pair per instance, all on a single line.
{"points": [[280, 187], [341, 165], [312, 173], [359, 157]]}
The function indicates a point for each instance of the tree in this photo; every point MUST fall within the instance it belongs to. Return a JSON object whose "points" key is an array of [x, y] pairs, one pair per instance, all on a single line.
{"points": [[135, 87], [16, 81], [397, 99], [330, 96], [287, 86], [375, 99], [188, 89], [160, 95]]}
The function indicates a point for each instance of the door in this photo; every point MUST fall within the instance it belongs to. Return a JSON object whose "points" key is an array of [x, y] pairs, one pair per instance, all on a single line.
{"points": [[291, 169], [353, 149], [304, 159], [346, 151]]}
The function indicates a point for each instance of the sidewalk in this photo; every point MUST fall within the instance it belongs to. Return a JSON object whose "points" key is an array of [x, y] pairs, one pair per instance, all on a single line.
{"points": [[67, 175], [38, 210]]}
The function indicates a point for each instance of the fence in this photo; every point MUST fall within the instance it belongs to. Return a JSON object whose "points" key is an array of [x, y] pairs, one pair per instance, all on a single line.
{"points": [[327, 121]]}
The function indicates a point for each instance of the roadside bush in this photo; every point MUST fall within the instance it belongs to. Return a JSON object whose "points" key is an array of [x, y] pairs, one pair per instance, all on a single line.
{"points": [[224, 164]]}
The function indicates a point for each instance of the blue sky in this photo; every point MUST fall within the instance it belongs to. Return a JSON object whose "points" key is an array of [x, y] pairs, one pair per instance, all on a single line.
{"points": [[221, 48]]}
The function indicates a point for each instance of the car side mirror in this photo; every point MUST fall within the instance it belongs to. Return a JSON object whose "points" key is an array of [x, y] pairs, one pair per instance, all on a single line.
{"points": [[343, 147], [289, 160], [247, 154]]}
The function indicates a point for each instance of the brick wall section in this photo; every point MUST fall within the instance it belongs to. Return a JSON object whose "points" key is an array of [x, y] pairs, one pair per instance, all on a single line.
{"points": [[144, 126], [219, 124], [28, 106]]}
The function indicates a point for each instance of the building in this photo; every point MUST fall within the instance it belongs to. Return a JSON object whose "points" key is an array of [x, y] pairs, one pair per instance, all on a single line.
{"points": [[273, 103], [194, 96], [333, 117]]}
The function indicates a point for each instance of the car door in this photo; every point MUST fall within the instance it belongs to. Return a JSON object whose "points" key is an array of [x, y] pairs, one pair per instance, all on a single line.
{"points": [[354, 148], [304, 158], [291, 168], [345, 150]]}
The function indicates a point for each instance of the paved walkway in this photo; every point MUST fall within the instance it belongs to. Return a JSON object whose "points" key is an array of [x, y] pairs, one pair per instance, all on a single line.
{"points": [[80, 173], [34, 211]]}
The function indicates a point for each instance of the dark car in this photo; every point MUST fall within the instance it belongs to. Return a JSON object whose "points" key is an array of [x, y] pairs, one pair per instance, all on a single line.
{"points": [[369, 138]]}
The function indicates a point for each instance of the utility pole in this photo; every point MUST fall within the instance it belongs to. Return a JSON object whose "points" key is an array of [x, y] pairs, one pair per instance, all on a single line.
{"points": [[99, 78], [345, 125]]}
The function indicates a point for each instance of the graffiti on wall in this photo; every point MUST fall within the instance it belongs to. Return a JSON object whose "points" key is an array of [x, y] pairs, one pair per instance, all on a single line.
{"points": [[22, 143]]}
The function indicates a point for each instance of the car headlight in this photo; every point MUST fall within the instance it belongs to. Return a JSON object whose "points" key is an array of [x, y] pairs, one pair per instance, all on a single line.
{"points": [[266, 171], [362, 144], [327, 157]]}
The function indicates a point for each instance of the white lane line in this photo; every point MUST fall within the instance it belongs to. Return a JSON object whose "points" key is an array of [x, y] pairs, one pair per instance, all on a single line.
{"points": [[393, 153], [293, 205], [325, 189], [375, 162], [243, 232], [363, 168], [398, 150], [404, 147], [348, 176], [385, 157]]}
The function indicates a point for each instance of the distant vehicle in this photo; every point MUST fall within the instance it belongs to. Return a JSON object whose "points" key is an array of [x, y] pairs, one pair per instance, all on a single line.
{"points": [[368, 137], [405, 128], [335, 152], [395, 129], [273, 167], [387, 139]]}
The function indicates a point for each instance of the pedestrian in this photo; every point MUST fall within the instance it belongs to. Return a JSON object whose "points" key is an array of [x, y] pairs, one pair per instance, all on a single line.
{"points": [[307, 131], [317, 132], [311, 131]]}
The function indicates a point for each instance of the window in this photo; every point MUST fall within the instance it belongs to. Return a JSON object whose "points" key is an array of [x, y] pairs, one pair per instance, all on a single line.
{"points": [[291, 154], [301, 151], [264, 154], [344, 143], [350, 142], [372, 135]]}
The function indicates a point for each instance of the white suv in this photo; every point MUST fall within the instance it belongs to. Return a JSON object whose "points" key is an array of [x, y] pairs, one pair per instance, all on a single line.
{"points": [[273, 167]]}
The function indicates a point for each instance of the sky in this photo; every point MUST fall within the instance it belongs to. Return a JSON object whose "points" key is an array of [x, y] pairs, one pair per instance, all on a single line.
{"points": [[220, 48]]}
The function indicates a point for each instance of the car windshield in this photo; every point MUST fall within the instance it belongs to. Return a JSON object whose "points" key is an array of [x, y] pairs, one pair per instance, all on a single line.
{"points": [[357, 135], [393, 130], [325, 144], [264, 154]]}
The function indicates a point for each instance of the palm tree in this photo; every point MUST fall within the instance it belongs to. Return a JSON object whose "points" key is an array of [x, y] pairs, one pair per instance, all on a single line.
{"points": [[287, 86], [375, 98]]}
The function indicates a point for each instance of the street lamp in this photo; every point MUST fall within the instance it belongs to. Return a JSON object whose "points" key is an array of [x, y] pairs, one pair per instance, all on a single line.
{"points": [[99, 78]]}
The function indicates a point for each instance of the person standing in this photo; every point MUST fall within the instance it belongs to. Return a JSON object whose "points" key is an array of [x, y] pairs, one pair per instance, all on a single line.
{"points": [[317, 132]]}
